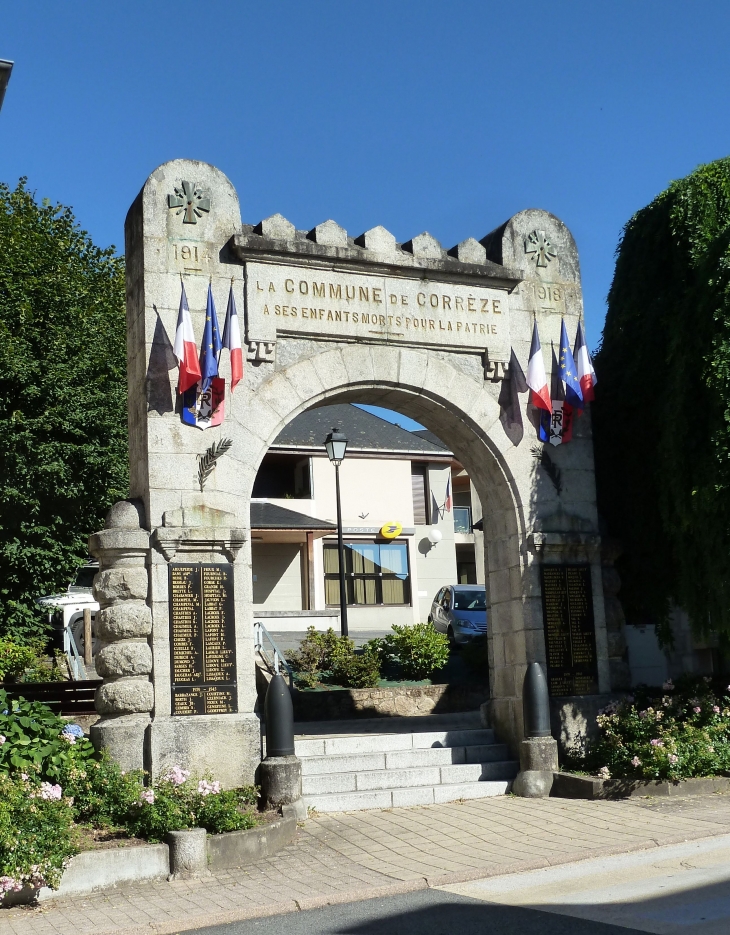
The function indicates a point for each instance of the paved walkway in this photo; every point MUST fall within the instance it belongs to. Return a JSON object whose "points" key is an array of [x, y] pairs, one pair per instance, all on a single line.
{"points": [[357, 855]]}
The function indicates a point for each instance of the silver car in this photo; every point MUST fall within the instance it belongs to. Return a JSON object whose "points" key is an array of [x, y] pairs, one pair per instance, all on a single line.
{"points": [[460, 611]]}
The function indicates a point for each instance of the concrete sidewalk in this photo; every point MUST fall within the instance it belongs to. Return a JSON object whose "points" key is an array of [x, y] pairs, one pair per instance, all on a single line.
{"points": [[359, 855]]}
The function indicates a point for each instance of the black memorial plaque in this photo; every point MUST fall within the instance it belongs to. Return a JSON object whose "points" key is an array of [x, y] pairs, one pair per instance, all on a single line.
{"points": [[570, 636], [202, 640]]}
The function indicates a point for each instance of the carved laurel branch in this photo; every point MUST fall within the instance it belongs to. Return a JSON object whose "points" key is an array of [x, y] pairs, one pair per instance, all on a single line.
{"points": [[208, 460], [542, 456]]}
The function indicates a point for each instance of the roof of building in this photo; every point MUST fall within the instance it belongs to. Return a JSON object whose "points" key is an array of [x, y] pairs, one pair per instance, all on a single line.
{"points": [[364, 431], [428, 435], [271, 516]]}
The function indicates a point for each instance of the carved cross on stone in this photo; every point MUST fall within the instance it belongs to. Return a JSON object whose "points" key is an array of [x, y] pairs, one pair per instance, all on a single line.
{"points": [[537, 243], [190, 199]]}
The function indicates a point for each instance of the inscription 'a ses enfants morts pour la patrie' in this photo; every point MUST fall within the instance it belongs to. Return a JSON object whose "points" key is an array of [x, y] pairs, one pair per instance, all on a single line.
{"points": [[295, 300], [570, 635], [202, 640]]}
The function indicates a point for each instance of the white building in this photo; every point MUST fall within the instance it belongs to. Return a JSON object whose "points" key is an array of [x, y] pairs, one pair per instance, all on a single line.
{"points": [[389, 475]]}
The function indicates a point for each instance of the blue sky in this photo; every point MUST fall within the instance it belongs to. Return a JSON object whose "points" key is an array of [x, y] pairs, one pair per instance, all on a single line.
{"points": [[418, 115]]}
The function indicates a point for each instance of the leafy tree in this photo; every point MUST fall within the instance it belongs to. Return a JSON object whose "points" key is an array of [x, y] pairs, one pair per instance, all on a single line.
{"points": [[63, 426], [662, 412]]}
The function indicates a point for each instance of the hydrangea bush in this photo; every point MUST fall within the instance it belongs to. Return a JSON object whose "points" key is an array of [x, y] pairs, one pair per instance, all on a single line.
{"points": [[51, 778], [677, 732]]}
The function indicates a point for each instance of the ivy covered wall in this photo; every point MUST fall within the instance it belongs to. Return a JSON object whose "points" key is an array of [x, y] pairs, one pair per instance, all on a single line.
{"points": [[662, 409]]}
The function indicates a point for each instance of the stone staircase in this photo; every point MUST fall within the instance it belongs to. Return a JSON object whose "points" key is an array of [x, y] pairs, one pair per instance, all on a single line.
{"points": [[392, 762]]}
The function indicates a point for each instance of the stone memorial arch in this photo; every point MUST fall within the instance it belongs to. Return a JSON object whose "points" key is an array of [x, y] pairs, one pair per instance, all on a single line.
{"points": [[327, 318]]}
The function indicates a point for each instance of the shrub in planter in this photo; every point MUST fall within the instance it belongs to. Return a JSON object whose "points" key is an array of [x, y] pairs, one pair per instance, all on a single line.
{"points": [[673, 733], [35, 833], [34, 739], [176, 802], [419, 650], [103, 794], [315, 654], [355, 670]]}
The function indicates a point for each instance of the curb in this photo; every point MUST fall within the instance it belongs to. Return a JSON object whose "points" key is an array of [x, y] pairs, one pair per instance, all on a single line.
{"points": [[397, 888]]}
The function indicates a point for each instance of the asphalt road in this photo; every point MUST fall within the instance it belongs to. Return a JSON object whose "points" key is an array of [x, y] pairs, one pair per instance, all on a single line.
{"points": [[678, 889], [425, 912]]}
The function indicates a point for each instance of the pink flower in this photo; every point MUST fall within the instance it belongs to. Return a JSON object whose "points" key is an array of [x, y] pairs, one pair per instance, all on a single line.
{"points": [[69, 738], [716, 708], [636, 761], [697, 709], [657, 743], [49, 792], [177, 775], [208, 788], [147, 795], [24, 777], [673, 758]]}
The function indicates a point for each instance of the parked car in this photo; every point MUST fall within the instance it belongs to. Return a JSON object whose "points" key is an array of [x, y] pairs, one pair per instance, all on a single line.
{"points": [[66, 611], [460, 611]]}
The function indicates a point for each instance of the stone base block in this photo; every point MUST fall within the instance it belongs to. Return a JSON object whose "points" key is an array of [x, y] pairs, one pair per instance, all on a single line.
{"points": [[539, 753], [533, 783], [123, 738], [188, 852], [538, 761], [228, 746], [281, 780]]}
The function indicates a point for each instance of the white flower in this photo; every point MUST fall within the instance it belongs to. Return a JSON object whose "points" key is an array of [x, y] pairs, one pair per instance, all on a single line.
{"points": [[69, 738], [673, 758], [49, 792], [668, 685], [636, 761], [604, 773], [147, 795], [3, 738], [208, 788]]}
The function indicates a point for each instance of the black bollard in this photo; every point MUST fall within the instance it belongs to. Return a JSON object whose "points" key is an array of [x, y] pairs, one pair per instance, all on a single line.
{"points": [[535, 703], [279, 716]]}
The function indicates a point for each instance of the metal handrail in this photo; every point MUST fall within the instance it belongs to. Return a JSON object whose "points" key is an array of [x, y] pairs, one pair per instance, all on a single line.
{"points": [[277, 660], [75, 664]]}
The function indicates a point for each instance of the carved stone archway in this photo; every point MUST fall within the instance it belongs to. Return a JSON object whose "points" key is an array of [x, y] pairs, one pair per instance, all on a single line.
{"points": [[325, 318]]}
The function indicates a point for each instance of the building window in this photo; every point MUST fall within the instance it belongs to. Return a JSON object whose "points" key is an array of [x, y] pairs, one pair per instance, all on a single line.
{"points": [[375, 573], [283, 477], [462, 519], [419, 486]]}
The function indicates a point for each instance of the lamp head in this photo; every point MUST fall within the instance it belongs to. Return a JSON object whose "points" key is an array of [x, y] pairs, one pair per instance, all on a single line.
{"points": [[434, 535], [336, 445]]}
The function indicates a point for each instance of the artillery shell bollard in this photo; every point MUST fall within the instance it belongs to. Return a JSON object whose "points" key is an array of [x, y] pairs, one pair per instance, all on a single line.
{"points": [[281, 771], [538, 751]]}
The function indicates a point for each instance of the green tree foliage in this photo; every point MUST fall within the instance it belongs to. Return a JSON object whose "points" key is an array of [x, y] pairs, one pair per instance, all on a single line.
{"points": [[662, 412], [63, 426]]}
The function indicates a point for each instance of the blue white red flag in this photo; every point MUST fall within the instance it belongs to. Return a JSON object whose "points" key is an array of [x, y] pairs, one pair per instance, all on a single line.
{"points": [[568, 371], [584, 366], [211, 346], [448, 501], [184, 348], [536, 378], [232, 340]]}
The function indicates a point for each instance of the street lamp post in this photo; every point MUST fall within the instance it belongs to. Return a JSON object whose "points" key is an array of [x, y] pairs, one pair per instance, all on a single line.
{"points": [[336, 445]]}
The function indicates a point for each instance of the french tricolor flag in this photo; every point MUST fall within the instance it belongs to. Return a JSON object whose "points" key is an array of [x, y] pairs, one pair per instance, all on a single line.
{"points": [[232, 340], [584, 366], [185, 349], [536, 378]]}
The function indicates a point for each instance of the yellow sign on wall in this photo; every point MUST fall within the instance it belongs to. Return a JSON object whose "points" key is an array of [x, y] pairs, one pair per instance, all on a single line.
{"points": [[391, 530]]}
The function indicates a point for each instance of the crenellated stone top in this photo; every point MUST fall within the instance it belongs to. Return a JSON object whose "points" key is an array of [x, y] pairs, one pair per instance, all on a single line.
{"points": [[275, 236]]}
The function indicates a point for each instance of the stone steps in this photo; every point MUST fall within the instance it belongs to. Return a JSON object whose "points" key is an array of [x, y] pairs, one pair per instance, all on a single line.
{"points": [[347, 766]]}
